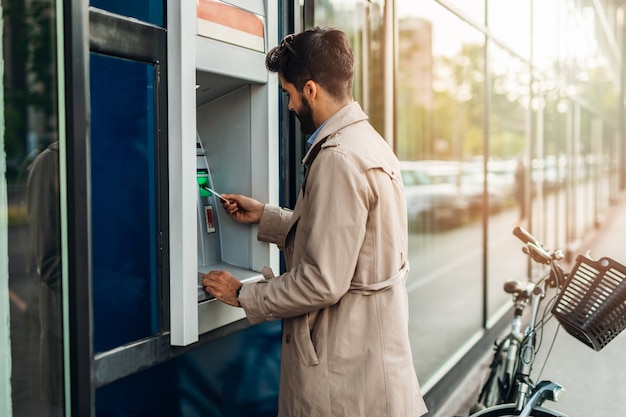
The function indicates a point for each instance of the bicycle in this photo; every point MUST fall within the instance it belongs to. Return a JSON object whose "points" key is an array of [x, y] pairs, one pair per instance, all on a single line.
{"points": [[588, 303]]}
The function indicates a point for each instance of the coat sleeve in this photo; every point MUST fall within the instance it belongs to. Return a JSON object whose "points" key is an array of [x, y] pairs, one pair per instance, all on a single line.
{"points": [[274, 225], [329, 237]]}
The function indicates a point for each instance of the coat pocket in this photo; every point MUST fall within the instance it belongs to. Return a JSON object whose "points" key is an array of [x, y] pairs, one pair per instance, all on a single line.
{"points": [[304, 343]]}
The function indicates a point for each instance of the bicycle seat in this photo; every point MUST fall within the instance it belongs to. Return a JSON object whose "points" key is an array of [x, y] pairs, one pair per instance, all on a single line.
{"points": [[514, 287]]}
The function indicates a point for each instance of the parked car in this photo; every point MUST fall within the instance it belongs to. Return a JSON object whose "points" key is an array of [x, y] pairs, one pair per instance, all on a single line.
{"points": [[431, 204], [473, 186], [502, 178], [469, 177]]}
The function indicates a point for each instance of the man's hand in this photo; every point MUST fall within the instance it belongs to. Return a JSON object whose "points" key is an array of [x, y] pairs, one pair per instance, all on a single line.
{"points": [[223, 286], [243, 209]]}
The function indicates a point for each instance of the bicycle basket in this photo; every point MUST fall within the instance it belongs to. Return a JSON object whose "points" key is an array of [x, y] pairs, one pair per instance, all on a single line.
{"points": [[592, 303]]}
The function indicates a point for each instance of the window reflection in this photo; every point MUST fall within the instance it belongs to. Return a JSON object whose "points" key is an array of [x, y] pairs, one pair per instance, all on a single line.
{"points": [[44, 219], [434, 198], [439, 118], [548, 21], [363, 23], [509, 22], [152, 11], [474, 10], [509, 164], [31, 145]]}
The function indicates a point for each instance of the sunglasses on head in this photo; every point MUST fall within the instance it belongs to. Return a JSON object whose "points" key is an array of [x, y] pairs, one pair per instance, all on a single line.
{"points": [[286, 43]]}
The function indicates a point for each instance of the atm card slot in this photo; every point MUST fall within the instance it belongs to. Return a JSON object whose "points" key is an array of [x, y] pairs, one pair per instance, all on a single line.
{"points": [[203, 295]]}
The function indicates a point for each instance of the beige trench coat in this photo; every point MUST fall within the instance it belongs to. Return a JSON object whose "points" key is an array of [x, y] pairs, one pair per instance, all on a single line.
{"points": [[345, 349]]}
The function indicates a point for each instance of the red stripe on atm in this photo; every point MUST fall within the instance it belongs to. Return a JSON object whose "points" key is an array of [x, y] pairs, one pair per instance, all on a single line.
{"points": [[224, 14]]}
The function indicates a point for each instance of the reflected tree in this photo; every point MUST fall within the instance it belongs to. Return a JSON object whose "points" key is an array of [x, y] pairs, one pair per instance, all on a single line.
{"points": [[29, 78]]}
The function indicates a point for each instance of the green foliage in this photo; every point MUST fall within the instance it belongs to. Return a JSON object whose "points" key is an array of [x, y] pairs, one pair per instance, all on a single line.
{"points": [[30, 79]]}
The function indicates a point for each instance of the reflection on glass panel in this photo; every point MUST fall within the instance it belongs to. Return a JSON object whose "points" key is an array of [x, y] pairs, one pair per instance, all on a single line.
{"points": [[594, 78], [472, 9], [151, 11], [30, 195], [510, 168], [608, 164], [582, 190], [509, 21], [599, 86], [548, 29], [363, 23], [440, 137], [551, 149], [123, 201]]}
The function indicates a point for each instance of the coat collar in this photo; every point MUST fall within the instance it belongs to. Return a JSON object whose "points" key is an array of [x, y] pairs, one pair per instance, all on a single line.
{"points": [[347, 115]]}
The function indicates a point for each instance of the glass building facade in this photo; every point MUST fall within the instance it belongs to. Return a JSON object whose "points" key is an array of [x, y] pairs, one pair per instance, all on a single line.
{"points": [[503, 113]]}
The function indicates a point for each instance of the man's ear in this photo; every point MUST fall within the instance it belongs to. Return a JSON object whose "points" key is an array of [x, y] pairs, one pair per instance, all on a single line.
{"points": [[310, 90]]}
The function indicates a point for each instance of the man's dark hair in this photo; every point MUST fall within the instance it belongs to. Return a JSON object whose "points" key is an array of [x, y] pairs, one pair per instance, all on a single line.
{"points": [[323, 55]]}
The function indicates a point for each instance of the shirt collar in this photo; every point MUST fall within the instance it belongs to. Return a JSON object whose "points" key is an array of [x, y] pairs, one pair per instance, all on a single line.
{"points": [[312, 138]]}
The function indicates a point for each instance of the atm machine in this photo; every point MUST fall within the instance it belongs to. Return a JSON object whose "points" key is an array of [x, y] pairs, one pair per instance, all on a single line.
{"points": [[224, 115], [209, 229]]}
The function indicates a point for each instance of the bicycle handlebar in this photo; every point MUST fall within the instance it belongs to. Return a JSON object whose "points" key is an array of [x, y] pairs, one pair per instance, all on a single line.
{"points": [[523, 235], [533, 247]]}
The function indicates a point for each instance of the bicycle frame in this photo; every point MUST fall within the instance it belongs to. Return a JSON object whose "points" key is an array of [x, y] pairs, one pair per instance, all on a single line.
{"points": [[528, 397]]}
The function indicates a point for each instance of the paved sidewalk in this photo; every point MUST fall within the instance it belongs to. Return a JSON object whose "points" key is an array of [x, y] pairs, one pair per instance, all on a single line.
{"points": [[595, 382]]}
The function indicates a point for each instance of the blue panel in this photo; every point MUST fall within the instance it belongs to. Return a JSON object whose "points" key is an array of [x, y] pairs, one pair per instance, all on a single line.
{"points": [[236, 376], [123, 201], [151, 11]]}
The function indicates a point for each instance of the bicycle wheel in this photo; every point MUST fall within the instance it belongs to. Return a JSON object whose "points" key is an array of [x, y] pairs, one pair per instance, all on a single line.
{"points": [[499, 387], [508, 410]]}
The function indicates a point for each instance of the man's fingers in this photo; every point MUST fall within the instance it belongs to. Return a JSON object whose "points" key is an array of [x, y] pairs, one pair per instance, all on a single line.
{"points": [[220, 285]]}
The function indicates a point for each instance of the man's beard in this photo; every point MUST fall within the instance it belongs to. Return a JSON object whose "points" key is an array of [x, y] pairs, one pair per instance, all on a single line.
{"points": [[307, 126]]}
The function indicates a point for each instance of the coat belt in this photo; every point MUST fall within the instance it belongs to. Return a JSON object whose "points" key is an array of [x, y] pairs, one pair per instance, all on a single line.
{"points": [[369, 289]]}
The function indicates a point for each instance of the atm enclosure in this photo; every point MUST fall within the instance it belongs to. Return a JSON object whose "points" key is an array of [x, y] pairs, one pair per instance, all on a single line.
{"points": [[226, 134]]}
